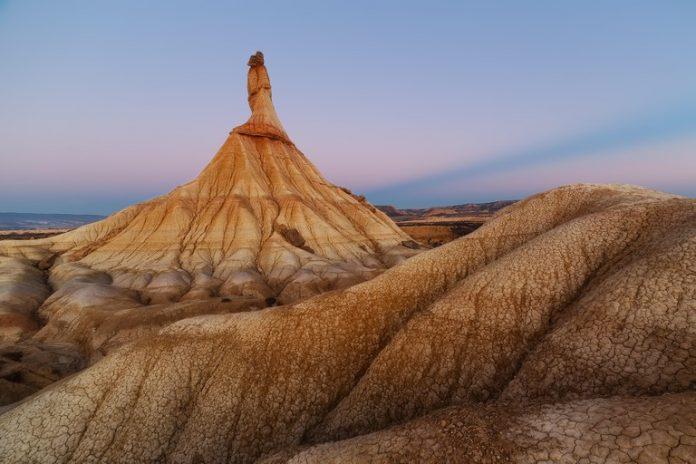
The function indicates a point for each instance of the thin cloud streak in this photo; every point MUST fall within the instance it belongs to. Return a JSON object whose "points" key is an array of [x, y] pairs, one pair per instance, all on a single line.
{"points": [[659, 126]]}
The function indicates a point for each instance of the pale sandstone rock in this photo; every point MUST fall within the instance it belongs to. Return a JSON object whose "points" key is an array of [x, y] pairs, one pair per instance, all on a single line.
{"points": [[246, 283], [70, 273], [96, 332], [472, 321], [78, 297], [168, 286], [203, 286]]}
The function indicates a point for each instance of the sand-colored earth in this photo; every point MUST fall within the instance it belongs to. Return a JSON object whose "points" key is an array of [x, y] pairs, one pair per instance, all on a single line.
{"points": [[563, 330]]}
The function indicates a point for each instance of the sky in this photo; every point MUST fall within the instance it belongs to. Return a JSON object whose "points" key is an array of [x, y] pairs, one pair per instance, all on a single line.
{"points": [[415, 104]]}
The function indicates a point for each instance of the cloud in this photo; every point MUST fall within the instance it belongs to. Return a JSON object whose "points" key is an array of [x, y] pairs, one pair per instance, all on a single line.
{"points": [[634, 132]]}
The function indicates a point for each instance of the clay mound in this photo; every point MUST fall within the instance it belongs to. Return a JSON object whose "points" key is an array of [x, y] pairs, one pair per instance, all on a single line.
{"points": [[258, 221], [522, 327]]}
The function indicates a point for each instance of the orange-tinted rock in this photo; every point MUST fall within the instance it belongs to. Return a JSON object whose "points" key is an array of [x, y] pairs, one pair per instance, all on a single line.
{"points": [[259, 220]]}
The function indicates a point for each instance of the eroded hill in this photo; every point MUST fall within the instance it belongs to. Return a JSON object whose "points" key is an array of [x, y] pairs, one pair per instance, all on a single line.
{"points": [[562, 330], [259, 221]]}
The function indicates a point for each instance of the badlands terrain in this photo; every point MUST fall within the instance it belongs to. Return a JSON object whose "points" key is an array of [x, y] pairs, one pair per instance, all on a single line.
{"points": [[434, 226], [428, 226], [562, 330], [259, 222]]}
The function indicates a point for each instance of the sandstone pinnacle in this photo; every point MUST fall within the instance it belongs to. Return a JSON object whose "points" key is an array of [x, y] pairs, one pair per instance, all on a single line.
{"points": [[264, 121], [259, 221]]}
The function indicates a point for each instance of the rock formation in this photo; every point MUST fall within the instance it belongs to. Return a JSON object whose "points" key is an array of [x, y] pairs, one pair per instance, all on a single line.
{"points": [[259, 221], [561, 331]]}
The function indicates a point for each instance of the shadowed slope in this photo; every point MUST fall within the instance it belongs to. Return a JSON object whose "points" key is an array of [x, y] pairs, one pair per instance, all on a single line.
{"points": [[452, 326]]}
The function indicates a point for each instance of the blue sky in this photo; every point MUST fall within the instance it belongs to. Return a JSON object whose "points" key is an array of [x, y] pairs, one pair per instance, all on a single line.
{"points": [[107, 103]]}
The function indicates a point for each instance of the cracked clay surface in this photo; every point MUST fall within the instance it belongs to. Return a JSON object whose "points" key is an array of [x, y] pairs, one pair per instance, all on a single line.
{"points": [[561, 331]]}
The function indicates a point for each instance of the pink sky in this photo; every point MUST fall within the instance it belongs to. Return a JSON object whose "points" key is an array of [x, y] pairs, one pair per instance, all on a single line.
{"points": [[102, 105]]}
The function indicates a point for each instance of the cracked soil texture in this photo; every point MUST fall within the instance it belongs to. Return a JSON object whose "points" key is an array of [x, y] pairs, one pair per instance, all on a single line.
{"points": [[560, 331]]}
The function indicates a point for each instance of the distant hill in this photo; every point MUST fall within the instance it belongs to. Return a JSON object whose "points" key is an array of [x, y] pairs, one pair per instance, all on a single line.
{"points": [[441, 224], [467, 209], [29, 221]]}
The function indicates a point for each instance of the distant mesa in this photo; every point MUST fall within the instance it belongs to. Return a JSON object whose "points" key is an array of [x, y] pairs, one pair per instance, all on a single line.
{"points": [[482, 209], [436, 226], [391, 211]]}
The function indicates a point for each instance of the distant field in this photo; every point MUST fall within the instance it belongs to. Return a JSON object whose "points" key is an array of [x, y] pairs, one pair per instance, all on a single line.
{"points": [[33, 221], [26, 234]]}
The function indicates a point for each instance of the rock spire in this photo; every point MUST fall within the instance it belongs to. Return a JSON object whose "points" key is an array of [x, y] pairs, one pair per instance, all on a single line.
{"points": [[264, 121], [259, 221]]}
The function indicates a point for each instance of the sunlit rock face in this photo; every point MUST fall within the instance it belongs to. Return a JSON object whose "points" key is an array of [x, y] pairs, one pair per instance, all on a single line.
{"points": [[259, 221], [561, 331]]}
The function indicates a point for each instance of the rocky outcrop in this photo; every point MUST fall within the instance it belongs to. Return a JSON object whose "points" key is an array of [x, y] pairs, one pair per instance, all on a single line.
{"points": [[521, 329], [259, 221]]}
